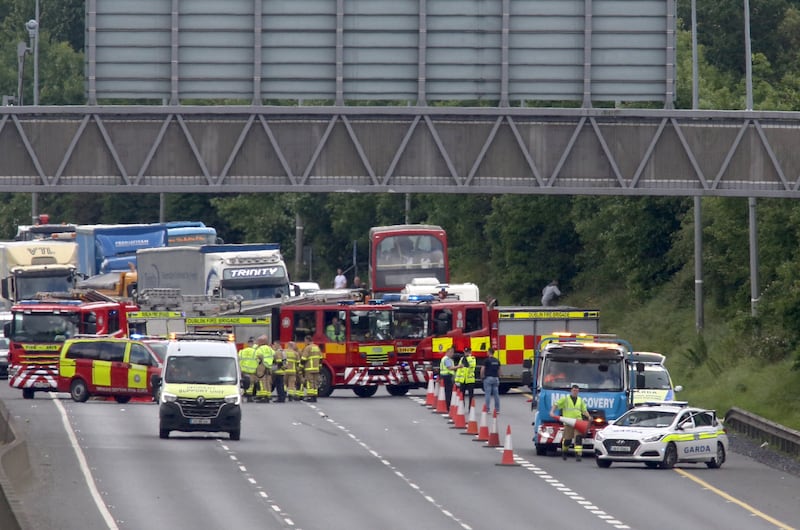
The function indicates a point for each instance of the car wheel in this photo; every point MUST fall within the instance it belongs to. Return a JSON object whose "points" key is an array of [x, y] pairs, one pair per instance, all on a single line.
{"points": [[78, 390], [651, 465], [236, 435], [541, 449], [603, 463], [122, 399], [163, 433], [718, 460], [670, 457], [27, 393]]}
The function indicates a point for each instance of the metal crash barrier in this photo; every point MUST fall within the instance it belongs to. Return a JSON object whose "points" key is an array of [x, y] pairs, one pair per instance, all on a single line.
{"points": [[777, 436]]}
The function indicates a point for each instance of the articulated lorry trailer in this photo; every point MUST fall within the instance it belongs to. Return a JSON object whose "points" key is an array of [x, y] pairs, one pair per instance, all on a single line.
{"points": [[250, 271], [111, 248]]}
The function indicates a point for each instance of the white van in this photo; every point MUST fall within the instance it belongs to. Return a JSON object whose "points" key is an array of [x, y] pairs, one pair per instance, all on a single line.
{"points": [[200, 387], [652, 382]]}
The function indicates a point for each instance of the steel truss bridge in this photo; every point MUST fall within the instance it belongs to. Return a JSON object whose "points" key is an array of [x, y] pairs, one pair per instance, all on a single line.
{"points": [[255, 149]]}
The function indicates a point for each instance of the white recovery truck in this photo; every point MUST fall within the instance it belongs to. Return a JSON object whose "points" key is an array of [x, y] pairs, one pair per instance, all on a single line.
{"points": [[30, 267]]}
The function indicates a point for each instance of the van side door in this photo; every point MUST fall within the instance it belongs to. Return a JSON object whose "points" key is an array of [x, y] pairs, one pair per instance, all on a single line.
{"points": [[141, 365]]}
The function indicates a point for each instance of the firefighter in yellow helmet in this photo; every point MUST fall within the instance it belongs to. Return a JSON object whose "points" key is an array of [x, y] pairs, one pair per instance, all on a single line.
{"points": [[311, 358], [247, 363], [290, 362], [263, 391]]}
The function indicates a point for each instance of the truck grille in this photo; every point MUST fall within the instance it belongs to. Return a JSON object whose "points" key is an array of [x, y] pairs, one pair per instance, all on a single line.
{"points": [[621, 447], [377, 357], [200, 407]]}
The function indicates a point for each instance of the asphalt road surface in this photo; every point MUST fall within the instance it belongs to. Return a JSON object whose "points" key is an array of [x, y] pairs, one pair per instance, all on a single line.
{"points": [[356, 464]]}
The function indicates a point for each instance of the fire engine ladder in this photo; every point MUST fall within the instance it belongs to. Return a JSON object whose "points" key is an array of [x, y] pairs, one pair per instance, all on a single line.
{"points": [[85, 295]]}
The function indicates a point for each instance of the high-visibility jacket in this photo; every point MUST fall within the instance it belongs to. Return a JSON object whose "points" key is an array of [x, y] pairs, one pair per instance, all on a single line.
{"points": [[247, 360], [290, 361], [268, 353], [570, 409], [461, 374], [469, 375], [443, 369], [313, 356]]}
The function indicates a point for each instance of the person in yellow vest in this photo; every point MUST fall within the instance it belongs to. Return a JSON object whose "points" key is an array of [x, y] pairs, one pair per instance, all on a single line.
{"points": [[247, 363], [446, 372], [467, 367], [311, 358], [571, 406], [264, 390], [278, 372], [290, 362]]}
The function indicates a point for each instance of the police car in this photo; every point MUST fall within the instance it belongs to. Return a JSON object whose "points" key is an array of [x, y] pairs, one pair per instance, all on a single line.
{"points": [[661, 435]]}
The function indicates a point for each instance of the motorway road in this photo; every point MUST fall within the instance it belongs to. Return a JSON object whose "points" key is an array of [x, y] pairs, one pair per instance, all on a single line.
{"points": [[357, 464]]}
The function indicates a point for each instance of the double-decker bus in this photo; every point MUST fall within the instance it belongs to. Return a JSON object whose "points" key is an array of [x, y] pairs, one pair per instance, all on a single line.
{"points": [[400, 253]]}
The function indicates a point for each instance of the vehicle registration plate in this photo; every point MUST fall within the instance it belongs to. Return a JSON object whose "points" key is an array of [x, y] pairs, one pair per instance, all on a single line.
{"points": [[41, 384], [621, 448], [200, 421]]}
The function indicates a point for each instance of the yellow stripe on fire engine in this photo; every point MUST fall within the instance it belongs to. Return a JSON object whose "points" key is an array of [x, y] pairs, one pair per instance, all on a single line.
{"points": [[384, 349], [41, 347], [406, 349], [479, 344], [441, 345], [526, 315], [154, 314], [227, 321], [101, 373], [334, 347]]}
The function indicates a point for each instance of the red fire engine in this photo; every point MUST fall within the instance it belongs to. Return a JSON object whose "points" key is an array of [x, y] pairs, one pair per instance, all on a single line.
{"points": [[425, 327], [39, 327], [357, 343]]}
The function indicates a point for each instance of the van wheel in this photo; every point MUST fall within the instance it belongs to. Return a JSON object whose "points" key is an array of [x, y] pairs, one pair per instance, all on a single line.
{"points": [[235, 435], [27, 393], [505, 388], [122, 399], [163, 433], [78, 391]]}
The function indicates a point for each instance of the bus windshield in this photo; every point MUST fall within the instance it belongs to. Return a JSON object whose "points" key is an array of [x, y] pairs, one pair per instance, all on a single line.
{"points": [[398, 259], [588, 374]]}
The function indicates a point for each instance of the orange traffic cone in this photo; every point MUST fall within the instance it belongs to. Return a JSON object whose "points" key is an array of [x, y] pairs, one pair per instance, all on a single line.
{"points": [[472, 424], [453, 404], [441, 403], [494, 438], [582, 426], [430, 398], [459, 422], [508, 451], [483, 428]]}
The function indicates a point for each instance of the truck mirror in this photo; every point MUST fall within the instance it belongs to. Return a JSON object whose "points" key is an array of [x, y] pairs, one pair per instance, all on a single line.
{"points": [[155, 381], [7, 329], [640, 367], [678, 388]]}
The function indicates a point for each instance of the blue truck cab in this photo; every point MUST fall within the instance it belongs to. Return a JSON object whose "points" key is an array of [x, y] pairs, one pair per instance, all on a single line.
{"points": [[598, 364]]}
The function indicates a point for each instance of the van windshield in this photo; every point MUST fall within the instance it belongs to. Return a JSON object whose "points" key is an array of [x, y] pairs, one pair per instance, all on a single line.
{"points": [[201, 370]]}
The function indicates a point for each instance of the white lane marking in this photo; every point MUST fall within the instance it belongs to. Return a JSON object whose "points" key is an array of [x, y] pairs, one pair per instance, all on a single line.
{"points": [[549, 479], [447, 513], [275, 510], [87, 474]]}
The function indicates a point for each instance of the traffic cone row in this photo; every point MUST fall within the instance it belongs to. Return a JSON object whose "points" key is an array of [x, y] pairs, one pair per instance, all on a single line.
{"points": [[430, 397], [481, 433]]}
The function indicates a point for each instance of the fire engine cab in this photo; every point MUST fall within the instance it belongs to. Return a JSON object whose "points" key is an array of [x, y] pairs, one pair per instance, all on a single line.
{"points": [[38, 329]]}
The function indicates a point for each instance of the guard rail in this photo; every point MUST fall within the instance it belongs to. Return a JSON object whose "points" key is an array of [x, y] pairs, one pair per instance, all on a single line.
{"points": [[753, 426]]}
